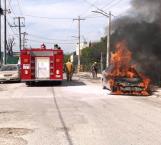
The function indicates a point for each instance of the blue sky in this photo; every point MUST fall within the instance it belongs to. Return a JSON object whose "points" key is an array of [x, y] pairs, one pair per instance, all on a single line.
{"points": [[57, 25]]}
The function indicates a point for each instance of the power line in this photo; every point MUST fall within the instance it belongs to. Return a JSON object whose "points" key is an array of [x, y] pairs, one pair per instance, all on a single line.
{"points": [[42, 37], [108, 35], [48, 42], [48, 17], [11, 29], [88, 8], [87, 17], [10, 6], [20, 9], [113, 5], [110, 3], [91, 4], [19, 25], [94, 4], [12, 12]]}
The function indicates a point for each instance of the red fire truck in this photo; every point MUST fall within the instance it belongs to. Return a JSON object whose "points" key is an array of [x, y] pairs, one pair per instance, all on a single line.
{"points": [[41, 64]]}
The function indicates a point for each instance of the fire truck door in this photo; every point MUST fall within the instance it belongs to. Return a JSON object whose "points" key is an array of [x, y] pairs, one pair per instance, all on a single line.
{"points": [[42, 68]]}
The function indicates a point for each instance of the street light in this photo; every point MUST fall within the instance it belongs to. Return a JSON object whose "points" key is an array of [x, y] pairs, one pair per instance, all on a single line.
{"points": [[99, 11]]}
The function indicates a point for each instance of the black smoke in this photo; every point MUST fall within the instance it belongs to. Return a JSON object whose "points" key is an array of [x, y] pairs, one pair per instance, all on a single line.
{"points": [[141, 28]]}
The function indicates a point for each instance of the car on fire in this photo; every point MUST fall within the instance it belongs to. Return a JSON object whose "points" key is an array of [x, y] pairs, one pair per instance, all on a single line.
{"points": [[9, 72], [125, 84]]}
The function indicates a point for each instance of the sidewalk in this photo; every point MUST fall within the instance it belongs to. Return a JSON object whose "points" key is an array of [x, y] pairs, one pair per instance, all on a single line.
{"points": [[88, 75]]}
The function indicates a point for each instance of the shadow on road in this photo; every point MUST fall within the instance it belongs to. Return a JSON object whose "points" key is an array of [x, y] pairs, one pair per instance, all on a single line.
{"points": [[10, 82], [64, 126], [58, 84], [72, 83]]}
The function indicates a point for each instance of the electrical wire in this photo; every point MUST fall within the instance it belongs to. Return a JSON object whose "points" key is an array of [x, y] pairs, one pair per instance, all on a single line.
{"points": [[49, 17], [11, 28], [53, 39], [20, 9], [109, 5], [88, 8], [114, 4], [12, 10], [48, 42]]}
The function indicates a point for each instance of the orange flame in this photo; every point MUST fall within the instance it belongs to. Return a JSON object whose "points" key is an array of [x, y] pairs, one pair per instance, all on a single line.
{"points": [[122, 67]]}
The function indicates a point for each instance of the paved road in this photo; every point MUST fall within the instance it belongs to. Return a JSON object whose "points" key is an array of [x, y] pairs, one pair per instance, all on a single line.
{"points": [[77, 113]]}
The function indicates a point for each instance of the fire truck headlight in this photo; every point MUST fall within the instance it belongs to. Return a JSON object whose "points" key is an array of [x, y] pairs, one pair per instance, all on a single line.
{"points": [[57, 71], [26, 72]]}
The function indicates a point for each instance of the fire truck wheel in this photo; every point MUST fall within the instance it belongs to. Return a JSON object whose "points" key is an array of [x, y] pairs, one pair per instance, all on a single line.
{"points": [[57, 83], [29, 84]]}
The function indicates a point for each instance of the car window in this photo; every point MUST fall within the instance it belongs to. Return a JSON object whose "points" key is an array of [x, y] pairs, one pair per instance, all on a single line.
{"points": [[8, 68]]}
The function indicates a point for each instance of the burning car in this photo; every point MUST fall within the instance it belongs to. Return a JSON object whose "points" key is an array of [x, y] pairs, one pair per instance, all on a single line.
{"points": [[126, 85], [121, 76]]}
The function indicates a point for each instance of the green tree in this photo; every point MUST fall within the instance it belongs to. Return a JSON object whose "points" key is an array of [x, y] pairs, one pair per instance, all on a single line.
{"points": [[93, 54]]}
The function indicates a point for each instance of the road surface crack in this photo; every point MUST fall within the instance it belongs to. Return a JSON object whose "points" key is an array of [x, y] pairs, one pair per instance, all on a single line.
{"points": [[64, 126]]}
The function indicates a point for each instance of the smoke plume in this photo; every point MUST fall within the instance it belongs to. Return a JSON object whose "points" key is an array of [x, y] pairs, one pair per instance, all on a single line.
{"points": [[142, 31]]}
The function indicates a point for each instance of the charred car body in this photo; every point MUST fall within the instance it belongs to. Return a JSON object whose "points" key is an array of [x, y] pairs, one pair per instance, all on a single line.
{"points": [[121, 76], [130, 84]]}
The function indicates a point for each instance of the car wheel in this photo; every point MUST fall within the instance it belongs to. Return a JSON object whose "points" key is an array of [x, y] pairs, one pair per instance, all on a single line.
{"points": [[104, 87]]}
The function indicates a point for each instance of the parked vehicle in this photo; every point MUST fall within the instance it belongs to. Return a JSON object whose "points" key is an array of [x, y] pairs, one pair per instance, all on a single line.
{"points": [[41, 64], [9, 72]]}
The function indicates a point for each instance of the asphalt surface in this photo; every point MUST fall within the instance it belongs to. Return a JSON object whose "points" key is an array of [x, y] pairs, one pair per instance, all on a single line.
{"points": [[77, 113]]}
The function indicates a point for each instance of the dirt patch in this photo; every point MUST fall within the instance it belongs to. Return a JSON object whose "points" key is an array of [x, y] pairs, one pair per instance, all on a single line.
{"points": [[3, 87], [12, 141], [8, 132], [10, 136], [8, 112]]}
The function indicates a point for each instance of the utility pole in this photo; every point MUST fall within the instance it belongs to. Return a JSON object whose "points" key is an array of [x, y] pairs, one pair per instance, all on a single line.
{"points": [[5, 31], [101, 62], [24, 39], [1, 13], [5, 11], [108, 41], [79, 19], [108, 15], [19, 25]]}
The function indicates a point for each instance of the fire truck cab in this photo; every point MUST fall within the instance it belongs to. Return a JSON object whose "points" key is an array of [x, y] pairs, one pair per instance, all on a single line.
{"points": [[41, 64]]}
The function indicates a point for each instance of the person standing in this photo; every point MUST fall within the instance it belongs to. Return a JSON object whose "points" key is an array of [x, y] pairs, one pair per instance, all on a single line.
{"points": [[94, 70], [69, 70], [43, 46]]}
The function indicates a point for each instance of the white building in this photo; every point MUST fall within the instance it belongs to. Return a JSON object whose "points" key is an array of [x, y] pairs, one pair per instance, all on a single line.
{"points": [[82, 46], [72, 58]]}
